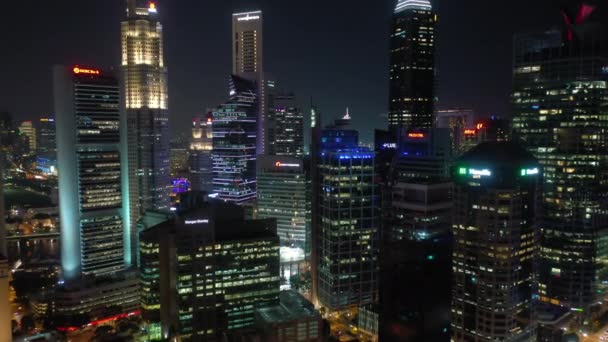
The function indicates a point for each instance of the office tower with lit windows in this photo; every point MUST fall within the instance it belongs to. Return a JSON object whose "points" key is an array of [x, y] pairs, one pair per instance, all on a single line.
{"points": [[29, 131], [46, 153], [87, 105], [416, 240], [286, 127], [200, 161], [147, 117], [457, 121], [560, 115], [346, 244], [283, 188], [412, 65], [234, 143], [497, 199], [248, 63], [206, 271]]}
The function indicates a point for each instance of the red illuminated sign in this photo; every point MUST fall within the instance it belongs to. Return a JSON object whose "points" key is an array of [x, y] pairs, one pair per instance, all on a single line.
{"points": [[415, 135], [479, 126], [78, 71], [470, 132]]}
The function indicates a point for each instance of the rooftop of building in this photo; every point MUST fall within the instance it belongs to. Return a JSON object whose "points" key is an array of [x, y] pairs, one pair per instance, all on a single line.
{"points": [[403, 5], [503, 153], [292, 307]]}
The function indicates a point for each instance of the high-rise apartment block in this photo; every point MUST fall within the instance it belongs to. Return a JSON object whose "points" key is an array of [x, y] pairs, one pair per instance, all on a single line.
{"points": [[412, 65], [497, 200]]}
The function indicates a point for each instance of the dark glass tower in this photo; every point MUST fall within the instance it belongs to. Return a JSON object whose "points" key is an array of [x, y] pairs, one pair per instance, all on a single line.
{"points": [[412, 65], [561, 116], [234, 143], [497, 197], [286, 127]]}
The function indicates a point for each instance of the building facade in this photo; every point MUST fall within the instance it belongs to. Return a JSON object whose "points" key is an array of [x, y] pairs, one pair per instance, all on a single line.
{"points": [[29, 131], [347, 239], [412, 65], [147, 118], [234, 143], [560, 115], [205, 272], [286, 127], [497, 199], [200, 160], [91, 188]]}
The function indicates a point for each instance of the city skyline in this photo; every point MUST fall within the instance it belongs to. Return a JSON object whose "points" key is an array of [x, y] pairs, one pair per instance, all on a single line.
{"points": [[198, 80]]}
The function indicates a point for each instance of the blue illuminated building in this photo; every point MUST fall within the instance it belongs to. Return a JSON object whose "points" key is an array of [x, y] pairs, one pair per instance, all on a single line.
{"points": [[87, 105], [346, 241], [234, 143]]}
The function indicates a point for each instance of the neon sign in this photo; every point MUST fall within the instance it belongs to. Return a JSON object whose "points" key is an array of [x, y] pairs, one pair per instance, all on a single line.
{"points": [[479, 126], [249, 17], [529, 172], [415, 135], [470, 132], [199, 221], [389, 145], [78, 70], [279, 164], [479, 173]]}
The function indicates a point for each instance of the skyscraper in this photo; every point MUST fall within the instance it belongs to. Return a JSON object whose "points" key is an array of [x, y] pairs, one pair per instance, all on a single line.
{"points": [[234, 143], [416, 240], [207, 270], [496, 230], [147, 117], [346, 244], [286, 127], [248, 63], [201, 163], [87, 105], [282, 190], [27, 129], [5, 314], [560, 115], [46, 153], [412, 65]]}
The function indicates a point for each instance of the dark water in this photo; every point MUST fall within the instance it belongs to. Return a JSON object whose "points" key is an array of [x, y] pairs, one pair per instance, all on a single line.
{"points": [[27, 250]]}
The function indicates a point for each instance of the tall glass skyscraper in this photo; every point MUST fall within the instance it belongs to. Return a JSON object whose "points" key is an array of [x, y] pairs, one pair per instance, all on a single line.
{"points": [[347, 238], [561, 116], [234, 143], [412, 65], [87, 106], [496, 230], [147, 117]]}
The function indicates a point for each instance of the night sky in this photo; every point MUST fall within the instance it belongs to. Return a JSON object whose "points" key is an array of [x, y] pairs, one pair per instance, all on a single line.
{"points": [[335, 51]]}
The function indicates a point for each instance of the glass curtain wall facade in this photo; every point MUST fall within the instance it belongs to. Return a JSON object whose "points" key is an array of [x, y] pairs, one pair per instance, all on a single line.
{"points": [[87, 103], [234, 144], [147, 116], [560, 102], [412, 65]]}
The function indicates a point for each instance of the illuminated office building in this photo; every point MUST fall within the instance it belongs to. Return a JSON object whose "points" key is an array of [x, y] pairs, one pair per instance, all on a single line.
{"points": [[234, 143], [282, 186], [457, 121], [46, 154], [286, 127], [222, 268], [497, 197], [248, 63], [87, 105], [28, 130], [412, 65], [200, 161], [147, 117], [346, 243], [560, 115]]}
